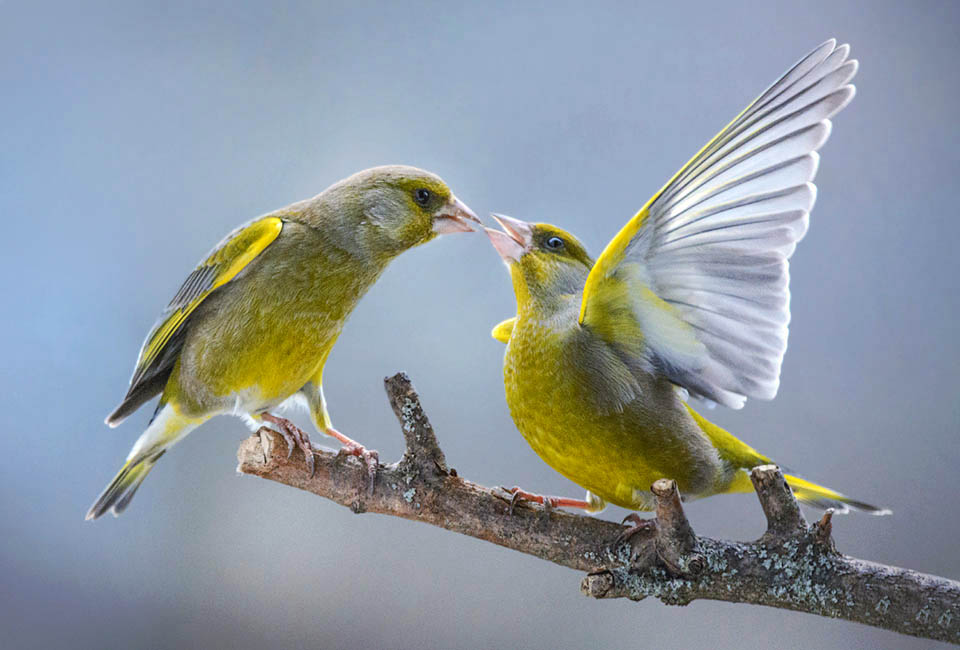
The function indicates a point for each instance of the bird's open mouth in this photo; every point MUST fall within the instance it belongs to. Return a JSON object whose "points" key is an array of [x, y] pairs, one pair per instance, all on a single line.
{"points": [[455, 217], [513, 241]]}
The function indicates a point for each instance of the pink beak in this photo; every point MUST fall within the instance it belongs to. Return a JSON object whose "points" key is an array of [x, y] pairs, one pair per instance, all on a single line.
{"points": [[455, 217], [515, 239]]}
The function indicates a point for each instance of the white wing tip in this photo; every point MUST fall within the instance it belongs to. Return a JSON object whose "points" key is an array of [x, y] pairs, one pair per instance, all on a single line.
{"points": [[729, 399], [815, 157], [853, 92], [813, 195]]}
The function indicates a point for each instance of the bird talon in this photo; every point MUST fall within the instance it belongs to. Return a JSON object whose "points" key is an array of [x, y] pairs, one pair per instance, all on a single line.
{"points": [[507, 494], [518, 495], [287, 438], [639, 524], [514, 499], [294, 437], [633, 518], [370, 457], [372, 460]]}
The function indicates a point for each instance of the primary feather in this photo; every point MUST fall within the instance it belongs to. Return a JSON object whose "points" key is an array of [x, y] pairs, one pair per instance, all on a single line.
{"points": [[712, 245], [162, 345]]}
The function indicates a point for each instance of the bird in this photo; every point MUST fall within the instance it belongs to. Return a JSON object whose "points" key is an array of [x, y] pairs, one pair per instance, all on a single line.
{"points": [[689, 300], [251, 328]]}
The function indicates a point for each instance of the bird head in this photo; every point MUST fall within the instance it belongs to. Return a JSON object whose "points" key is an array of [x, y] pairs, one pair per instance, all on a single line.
{"points": [[547, 264], [386, 210]]}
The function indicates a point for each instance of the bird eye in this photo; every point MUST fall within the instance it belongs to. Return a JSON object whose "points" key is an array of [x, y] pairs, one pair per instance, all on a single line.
{"points": [[422, 196], [555, 243]]}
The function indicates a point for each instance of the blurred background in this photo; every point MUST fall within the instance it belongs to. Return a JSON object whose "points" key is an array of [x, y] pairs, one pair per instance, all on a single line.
{"points": [[136, 134]]}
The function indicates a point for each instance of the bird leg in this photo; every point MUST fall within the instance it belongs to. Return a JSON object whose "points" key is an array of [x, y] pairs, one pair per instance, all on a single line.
{"points": [[294, 436], [353, 448], [547, 502]]}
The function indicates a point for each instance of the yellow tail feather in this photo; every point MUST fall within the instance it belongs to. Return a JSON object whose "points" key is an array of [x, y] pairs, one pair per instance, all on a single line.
{"points": [[123, 486], [812, 494], [165, 429], [823, 497]]}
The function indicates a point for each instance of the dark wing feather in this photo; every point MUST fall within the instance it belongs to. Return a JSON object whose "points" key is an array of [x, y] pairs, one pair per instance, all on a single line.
{"points": [[162, 346]]}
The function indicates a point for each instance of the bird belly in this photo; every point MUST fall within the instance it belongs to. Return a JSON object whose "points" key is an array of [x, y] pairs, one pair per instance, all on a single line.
{"points": [[616, 455], [254, 346], [253, 366], [596, 454]]}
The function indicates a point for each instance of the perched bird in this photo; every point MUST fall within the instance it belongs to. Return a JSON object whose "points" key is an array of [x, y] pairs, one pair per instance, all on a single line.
{"points": [[253, 324], [691, 297]]}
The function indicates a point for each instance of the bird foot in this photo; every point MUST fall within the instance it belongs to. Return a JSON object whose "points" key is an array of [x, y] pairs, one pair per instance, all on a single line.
{"points": [[548, 502], [294, 437], [351, 447], [639, 524]]}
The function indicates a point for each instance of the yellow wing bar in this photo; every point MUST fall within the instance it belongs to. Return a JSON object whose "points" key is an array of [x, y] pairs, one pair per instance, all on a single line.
{"points": [[221, 266], [502, 331]]}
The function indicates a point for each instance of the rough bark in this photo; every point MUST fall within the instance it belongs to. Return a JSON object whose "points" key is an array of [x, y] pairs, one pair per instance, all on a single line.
{"points": [[792, 566]]}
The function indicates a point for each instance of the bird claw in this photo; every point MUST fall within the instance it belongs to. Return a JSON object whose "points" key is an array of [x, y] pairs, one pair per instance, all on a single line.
{"points": [[353, 448], [518, 495], [514, 493], [370, 457], [294, 436], [639, 524]]}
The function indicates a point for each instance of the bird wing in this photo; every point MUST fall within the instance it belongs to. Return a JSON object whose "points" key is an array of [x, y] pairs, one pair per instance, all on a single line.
{"points": [[503, 330], [159, 351], [703, 265]]}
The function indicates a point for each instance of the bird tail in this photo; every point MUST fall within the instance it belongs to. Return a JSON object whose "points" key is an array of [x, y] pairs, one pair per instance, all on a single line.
{"points": [[165, 430], [124, 485], [823, 497], [811, 494]]}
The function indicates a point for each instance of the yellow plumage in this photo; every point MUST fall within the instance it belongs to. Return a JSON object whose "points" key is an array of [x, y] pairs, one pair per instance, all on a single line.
{"points": [[254, 323], [690, 297]]}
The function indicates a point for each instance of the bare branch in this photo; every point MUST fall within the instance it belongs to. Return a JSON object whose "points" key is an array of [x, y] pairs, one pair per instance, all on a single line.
{"points": [[676, 545], [784, 519], [792, 566]]}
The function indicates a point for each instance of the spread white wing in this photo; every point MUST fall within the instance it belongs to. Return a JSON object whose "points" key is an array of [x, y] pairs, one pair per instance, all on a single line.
{"points": [[706, 257]]}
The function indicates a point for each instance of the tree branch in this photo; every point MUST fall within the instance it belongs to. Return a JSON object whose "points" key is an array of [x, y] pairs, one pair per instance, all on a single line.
{"points": [[792, 566]]}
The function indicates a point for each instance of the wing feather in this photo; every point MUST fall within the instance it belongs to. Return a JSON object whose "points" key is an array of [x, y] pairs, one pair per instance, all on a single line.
{"points": [[162, 345], [502, 331], [705, 259]]}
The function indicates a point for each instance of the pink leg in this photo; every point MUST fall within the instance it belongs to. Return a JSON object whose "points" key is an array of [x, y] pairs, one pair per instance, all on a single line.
{"points": [[353, 448], [546, 501]]}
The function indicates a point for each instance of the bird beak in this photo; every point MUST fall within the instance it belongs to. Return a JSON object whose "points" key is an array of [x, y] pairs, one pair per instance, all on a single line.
{"points": [[455, 216], [514, 241]]}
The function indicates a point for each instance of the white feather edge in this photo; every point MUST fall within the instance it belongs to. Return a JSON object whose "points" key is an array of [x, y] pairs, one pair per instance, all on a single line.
{"points": [[717, 240]]}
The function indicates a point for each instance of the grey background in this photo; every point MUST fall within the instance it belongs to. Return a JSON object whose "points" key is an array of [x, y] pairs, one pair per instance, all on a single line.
{"points": [[134, 135]]}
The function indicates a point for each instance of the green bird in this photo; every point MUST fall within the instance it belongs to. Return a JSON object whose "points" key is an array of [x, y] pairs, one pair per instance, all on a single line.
{"points": [[252, 326], [691, 297]]}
